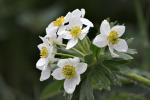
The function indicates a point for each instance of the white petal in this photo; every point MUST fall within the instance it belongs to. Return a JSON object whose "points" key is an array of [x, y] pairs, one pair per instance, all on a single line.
{"points": [[81, 68], [120, 29], [45, 41], [67, 17], [121, 46], [65, 35], [40, 63], [45, 74], [76, 59], [40, 46], [74, 21], [57, 74], [51, 31], [71, 43], [82, 12], [61, 29], [105, 27], [84, 33], [70, 84], [77, 79], [112, 52], [52, 50], [100, 41], [87, 22], [62, 62], [69, 87], [76, 13], [59, 40]]}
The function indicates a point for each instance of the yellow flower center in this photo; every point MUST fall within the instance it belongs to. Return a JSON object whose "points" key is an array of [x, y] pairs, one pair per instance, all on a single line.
{"points": [[75, 31], [69, 71], [113, 37], [44, 52], [59, 21]]}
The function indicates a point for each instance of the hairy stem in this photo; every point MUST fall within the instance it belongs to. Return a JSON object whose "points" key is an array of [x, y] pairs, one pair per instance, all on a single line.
{"points": [[81, 47], [74, 50], [66, 55], [137, 78]]}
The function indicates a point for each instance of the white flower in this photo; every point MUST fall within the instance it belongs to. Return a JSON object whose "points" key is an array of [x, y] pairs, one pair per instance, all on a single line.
{"points": [[53, 26], [111, 37], [47, 54], [70, 70], [53, 39], [52, 29], [76, 27]]}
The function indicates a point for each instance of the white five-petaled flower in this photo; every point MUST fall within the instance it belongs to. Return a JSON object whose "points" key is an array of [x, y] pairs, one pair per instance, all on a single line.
{"points": [[70, 70], [47, 54], [76, 27], [111, 37]]}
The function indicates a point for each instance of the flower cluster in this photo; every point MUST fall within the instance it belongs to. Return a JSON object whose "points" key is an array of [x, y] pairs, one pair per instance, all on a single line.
{"points": [[73, 28]]}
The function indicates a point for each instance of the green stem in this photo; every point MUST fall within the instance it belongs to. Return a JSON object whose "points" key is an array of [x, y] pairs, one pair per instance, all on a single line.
{"points": [[74, 50], [87, 41], [81, 47], [67, 55], [68, 96], [136, 77]]}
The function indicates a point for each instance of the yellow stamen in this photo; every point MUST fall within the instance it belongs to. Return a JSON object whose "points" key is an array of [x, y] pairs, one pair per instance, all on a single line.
{"points": [[113, 37], [69, 71], [44, 52], [59, 21], [75, 31]]}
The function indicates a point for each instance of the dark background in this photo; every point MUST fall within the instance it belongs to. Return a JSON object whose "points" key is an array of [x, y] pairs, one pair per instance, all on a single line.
{"points": [[22, 21]]}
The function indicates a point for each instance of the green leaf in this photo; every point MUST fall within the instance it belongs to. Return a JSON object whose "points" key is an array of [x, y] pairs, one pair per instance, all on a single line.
{"points": [[99, 79], [84, 45], [115, 64], [51, 90], [89, 59], [102, 77], [86, 91], [94, 49], [124, 56], [111, 75], [130, 40], [131, 51]]}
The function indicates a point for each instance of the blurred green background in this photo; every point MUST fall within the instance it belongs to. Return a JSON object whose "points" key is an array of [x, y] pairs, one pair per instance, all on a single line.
{"points": [[22, 21]]}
